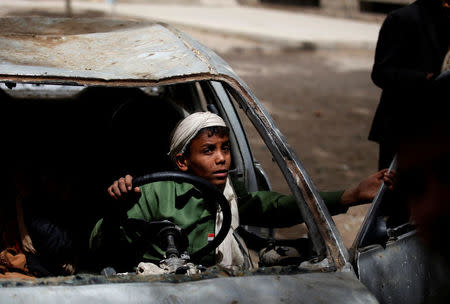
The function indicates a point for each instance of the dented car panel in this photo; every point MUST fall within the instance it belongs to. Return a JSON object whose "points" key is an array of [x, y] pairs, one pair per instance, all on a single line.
{"points": [[390, 257], [132, 52], [136, 52], [294, 288], [86, 52]]}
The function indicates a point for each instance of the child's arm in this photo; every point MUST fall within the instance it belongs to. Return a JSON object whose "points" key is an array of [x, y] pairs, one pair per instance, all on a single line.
{"points": [[367, 188], [271, 209]]}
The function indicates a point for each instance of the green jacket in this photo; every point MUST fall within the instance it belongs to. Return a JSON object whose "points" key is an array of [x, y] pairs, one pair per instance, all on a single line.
{"points": [[183, 204]]}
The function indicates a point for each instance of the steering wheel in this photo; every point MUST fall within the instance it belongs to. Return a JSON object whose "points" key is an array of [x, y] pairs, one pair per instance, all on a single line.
{"points": [[208, 190]]}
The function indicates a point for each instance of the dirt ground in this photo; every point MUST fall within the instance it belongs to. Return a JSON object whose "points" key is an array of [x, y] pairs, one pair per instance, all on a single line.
{"points": [[323, 102]]}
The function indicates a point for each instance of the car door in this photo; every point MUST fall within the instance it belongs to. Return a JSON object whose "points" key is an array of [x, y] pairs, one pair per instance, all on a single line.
{"points": [[390, 258]]}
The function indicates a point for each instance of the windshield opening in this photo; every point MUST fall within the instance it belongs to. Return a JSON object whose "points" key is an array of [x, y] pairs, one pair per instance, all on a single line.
{"points": [[65, 145]]}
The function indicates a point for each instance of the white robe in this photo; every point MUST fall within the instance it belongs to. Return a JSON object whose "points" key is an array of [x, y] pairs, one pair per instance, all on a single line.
{"points": [[229, 252]]}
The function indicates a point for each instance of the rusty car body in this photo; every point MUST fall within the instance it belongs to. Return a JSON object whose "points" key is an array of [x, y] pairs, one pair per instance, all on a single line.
{"points": [[72, 88]]}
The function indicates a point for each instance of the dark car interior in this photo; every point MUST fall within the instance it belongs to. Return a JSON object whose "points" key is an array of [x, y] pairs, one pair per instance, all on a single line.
{"points": [[76, 146]]}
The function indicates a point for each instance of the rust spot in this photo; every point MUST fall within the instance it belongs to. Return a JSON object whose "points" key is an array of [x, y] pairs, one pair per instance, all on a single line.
{"points": [[49, 79], [89, 279]]}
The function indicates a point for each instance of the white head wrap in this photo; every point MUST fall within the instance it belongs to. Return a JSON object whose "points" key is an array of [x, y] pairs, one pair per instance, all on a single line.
{"points": [[188, 128]]}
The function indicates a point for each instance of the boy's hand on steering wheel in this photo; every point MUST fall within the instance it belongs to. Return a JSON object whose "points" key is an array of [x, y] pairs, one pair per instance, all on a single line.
{"points": [[122, 189]]}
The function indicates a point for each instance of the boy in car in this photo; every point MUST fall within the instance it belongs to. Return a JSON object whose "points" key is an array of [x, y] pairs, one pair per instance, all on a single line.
{"points": [[200, 145]]}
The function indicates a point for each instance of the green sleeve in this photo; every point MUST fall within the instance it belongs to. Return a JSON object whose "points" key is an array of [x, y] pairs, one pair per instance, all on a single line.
{"points": [[110, 243], [332, 200], [274, 210]]}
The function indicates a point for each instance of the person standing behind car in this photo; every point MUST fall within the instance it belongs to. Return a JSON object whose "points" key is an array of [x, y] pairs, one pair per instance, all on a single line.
{"points": [[411, 47], [423, 181]]}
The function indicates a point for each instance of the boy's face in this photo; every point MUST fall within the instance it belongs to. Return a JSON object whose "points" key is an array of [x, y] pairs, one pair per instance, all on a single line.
{"points": [[209, 158]]}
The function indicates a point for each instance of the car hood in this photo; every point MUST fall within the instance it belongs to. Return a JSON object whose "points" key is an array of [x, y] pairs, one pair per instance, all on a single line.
{"points": [[333, 287]]}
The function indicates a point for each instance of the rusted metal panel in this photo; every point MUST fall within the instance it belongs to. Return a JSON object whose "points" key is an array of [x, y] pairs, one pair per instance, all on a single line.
{"points": [[402, 272], [297, 288], [100, 50]]}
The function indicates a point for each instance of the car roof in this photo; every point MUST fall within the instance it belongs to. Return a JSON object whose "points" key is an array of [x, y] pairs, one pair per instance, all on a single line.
{"points": [[102, 50]]}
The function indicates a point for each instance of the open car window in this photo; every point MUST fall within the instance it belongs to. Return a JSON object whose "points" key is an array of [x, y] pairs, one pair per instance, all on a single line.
{"points": [[85, 137]]}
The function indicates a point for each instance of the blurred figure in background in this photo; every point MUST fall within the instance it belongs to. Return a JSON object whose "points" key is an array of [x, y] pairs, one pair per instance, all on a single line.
{"points": [[412, 44]]}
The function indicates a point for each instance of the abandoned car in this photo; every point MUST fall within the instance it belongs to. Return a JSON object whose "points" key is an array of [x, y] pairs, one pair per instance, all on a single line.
{"points": [[77, 93]]}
